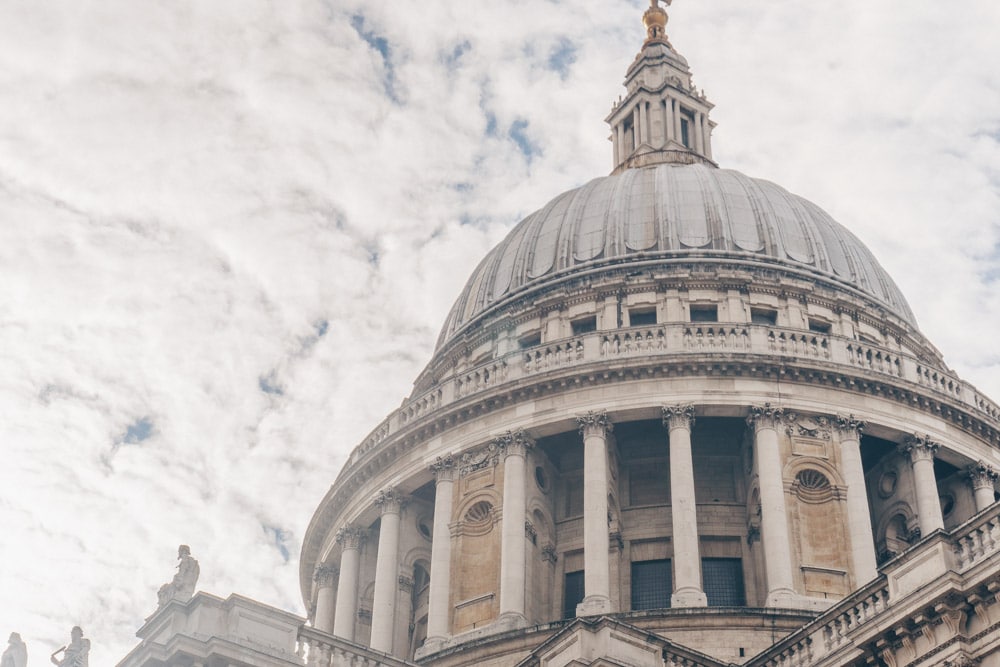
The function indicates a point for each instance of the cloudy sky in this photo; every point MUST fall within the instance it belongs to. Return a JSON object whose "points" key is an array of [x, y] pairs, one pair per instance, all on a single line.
{"points": [[230, 230]]}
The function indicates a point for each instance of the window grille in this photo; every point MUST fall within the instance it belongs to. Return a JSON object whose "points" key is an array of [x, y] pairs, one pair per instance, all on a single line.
{"points": [[652, 583], [723, 582]]}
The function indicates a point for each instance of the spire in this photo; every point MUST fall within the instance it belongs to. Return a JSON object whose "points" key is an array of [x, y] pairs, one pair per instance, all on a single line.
{"points": [[663, 117]]}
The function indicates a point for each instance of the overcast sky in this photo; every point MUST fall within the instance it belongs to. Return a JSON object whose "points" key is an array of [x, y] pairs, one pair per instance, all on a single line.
{"points": [[230, 231]]}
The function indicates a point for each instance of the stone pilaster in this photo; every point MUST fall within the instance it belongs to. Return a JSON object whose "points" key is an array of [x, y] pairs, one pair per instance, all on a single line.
{"points": [[350, 539], [688, 592], [859, 522], [325, 577], [438, 629], [390, 504], [765, 421], [982, 478], [920, 450], [595, 427]]}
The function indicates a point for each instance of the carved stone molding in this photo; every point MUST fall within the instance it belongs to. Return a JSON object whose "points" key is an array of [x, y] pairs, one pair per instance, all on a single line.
{"points": [[595, 423], [803, 426], [351, 537], [325, 576], [982, 475], [390, 501], [405, 584], [849, 426], [443, 468], [678, 416], [513, 443], [478, 459], [764, 417], [919, 448], [549, 554]]}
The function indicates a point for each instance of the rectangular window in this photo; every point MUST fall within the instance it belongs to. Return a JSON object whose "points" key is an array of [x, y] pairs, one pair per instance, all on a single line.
{"points": [[572, 593], [684, 133], [652, 583], [723, 582], [530, 340], [763, 316], [819, 326], [584, 325], [642, 317], [700, 313]]}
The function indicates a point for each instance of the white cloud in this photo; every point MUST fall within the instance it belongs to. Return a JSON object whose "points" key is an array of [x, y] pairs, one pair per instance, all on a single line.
{"points": [[188, 190]]}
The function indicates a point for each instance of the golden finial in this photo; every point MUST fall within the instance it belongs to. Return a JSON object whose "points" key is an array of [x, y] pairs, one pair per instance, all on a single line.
{"points": [[655, 20]]}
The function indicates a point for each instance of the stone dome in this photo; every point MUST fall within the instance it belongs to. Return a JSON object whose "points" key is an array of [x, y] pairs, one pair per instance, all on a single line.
{"points": [[671, 213]]}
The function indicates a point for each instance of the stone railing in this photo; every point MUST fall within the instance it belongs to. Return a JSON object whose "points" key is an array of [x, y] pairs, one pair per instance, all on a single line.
{"points": [[318, 649], [672, 341], [894, 596]]}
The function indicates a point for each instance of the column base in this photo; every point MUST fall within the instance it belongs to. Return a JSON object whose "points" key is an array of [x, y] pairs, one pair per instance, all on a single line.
{"points": [[594, 605], [431, 645], [509, 620], [688, 597], [784, 598]]}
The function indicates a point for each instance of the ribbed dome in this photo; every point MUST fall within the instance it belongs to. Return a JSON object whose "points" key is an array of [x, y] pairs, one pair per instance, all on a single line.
{"points": [[668, 213]]}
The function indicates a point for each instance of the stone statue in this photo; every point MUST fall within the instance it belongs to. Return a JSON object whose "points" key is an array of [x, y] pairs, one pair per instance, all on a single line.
{"points": [[76, 654], [181, 587], [16, 654]]}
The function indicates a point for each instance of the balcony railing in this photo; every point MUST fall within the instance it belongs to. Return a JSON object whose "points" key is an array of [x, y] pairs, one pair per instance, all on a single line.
{"points": [[676, 341], [318, 649]]}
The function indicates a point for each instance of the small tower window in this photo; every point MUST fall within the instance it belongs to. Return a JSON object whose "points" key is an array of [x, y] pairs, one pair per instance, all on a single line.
{"points": [[572, 593], [685, 134]]}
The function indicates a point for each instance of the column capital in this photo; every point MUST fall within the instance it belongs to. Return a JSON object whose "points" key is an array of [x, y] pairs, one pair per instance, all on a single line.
{"points": [[443, 468], [849, 426], [594, 422], [389, 501], [678, 416], [982, 475], [919, 448], [765, 416], [513, 443], [325, 575], [351, 537]]}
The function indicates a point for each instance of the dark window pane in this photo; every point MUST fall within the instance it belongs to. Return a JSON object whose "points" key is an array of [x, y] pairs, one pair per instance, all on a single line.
{"points": [[704, 313], [583, 326], [641, 318], [762, 316], [572, 593], [723, 581], [652, 584]]}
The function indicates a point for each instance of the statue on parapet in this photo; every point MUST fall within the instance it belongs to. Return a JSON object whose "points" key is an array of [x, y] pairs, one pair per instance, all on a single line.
{"points": [[76, 653], [181, 587], [16, 654]]}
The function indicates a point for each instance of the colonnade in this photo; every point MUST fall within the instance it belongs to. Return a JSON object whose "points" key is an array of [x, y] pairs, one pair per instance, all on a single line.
{"points": [[669, 116], [595, 427]]}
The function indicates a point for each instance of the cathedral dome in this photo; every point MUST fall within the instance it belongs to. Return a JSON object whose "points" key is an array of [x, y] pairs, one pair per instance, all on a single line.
{"points": [[671, 214]]}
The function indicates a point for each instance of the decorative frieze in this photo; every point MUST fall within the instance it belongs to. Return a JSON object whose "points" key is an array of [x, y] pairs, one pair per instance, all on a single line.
{"points": [[765, 416], [351, 537], [919, 448], [479, 459], [325, 575], [594, 422], [678, 416], [803, 426], [405, 584], [549, 554]]}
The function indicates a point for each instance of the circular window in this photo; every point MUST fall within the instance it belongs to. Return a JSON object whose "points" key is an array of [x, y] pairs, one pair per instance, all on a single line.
{"points": [[479, 512], [424, 527], [541, 478], [813, 480], [947, 504]]}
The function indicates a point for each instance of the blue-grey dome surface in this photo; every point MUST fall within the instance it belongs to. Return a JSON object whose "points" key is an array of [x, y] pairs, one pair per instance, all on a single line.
{"points": [[671, 212]]}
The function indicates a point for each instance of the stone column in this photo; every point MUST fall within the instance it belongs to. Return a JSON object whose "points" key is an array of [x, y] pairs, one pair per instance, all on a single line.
{"points": [[677, 122], [699, 132], [325, 577], [644, 131], [982, 477], [688, 590], [859, 521], [386, 570], [350, 539], [668, 116], [765, 422], [920, 450], [708, 139], [440, 584], [514, 448], [618, 144], [595, 426]]}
